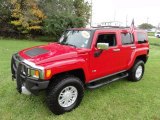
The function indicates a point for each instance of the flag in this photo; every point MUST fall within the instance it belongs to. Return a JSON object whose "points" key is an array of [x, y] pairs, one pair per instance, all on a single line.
{"points": [[132, 27]]}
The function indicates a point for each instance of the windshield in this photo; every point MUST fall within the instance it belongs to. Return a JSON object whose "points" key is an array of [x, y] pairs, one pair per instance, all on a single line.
{"points": [[76, 38]]}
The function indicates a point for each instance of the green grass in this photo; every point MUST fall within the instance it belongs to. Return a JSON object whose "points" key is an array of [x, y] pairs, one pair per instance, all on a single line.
{"points": [[121, 100], [151, 33]]}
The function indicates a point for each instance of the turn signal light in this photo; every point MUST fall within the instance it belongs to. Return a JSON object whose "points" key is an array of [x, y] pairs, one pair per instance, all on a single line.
{"points": [[48, 73]]}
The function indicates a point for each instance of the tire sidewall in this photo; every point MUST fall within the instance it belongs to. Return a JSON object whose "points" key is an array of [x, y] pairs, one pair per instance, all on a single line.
{"points": [[70, 81], [77, 86]]}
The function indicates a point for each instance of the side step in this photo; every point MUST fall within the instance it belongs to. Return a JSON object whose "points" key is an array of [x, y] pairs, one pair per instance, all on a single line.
{"points": [[107, 80]]}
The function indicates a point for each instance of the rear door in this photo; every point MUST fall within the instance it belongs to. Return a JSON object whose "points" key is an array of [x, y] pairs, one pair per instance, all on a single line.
{"points": [[127, 48]]}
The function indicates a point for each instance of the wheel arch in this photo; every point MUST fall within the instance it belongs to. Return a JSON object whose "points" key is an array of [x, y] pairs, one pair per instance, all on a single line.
{"points": [[142, 57], [76, 72]]}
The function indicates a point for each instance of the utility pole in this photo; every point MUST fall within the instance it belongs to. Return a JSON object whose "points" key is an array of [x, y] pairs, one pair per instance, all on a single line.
{"points": [[126, 20], [158, 26], [91, 14], [147, 19], [114, 15]]}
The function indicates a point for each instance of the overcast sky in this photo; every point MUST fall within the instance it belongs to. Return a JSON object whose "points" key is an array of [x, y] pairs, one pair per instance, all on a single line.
{"points": [[141, 10]]}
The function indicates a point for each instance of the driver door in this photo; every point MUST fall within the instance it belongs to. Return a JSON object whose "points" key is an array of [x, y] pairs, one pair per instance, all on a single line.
{"points": [[107, 62]]}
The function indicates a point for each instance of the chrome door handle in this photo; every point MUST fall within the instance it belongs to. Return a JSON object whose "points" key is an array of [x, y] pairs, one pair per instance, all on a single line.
{"points": [[133, 47], [116, 50]]}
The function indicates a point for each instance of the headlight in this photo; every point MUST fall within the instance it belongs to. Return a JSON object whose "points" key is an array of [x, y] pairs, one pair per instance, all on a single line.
{"points": [[35, 73], [38, 71], [34, 70]]}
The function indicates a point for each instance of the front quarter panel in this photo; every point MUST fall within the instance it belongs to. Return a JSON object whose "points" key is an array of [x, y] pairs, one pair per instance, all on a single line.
{"points": [[68, 65]]}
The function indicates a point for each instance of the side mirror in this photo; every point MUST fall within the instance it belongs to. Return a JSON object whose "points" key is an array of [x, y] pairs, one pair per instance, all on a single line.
{"points": [[103, 46]]}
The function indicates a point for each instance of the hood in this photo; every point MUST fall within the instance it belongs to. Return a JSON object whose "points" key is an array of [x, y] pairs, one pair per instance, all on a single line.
{"points": [[47, 53]]}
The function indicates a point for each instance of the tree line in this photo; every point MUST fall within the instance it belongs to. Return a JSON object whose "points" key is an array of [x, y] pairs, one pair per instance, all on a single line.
{"points": [[42, 17], [146, 26]]}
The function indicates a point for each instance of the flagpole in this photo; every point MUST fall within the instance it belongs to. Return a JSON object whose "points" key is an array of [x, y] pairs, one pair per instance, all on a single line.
{"points": [[132, 27]]}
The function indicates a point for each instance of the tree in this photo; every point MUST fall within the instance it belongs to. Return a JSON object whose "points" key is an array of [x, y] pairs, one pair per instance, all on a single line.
{"points": [[63, 14], [5, 16], [26, 15], [146, 26], [82, 10], [51, 17]]}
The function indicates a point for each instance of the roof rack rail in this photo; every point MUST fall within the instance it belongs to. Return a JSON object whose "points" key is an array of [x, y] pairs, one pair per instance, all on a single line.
{"points": [[110, 27]]}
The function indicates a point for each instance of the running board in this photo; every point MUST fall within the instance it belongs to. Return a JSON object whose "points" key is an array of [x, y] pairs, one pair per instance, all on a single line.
{"points": [[107, 80]]}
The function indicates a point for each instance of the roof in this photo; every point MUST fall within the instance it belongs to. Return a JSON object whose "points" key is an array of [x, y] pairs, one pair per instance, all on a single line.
{"points": [[116, 28]]}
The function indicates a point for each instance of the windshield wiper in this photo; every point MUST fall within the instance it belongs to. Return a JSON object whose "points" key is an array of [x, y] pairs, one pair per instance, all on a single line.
{"points": [[70, 44], [60, 43], [66, 44]]}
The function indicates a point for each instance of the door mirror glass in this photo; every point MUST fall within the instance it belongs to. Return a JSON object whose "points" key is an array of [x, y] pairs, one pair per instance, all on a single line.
{"points": [[103, 46]]}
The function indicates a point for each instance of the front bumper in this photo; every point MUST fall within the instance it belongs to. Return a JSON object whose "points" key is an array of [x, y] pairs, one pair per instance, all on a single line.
{"points": [[35, 86], [24, 82]]}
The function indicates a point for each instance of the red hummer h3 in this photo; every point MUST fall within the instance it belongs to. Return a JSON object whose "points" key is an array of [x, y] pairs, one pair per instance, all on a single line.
{"points": [[82, 58]]}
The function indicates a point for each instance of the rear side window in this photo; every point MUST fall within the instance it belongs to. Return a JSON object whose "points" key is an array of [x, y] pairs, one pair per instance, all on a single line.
{"points": [[141, 37], [127, 38], [107, 38]]}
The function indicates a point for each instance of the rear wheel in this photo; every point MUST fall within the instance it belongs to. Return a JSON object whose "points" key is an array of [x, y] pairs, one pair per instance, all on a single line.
{"points": [[137, 71], [65, 95]]}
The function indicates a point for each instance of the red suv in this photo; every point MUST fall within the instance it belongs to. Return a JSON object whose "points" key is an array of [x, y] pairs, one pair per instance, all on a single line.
{"points": [[82, 58]]}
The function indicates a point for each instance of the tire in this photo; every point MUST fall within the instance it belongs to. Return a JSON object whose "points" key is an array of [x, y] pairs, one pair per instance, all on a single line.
{"points": [[137, 71], [67, 88]]}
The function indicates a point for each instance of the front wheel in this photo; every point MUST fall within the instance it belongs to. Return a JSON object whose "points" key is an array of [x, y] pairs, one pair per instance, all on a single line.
{"points": [[137, 71], [65, 95]]}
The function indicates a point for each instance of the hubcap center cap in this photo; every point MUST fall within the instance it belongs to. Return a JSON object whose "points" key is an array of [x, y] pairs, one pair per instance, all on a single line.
{"points": [[67, 95]]}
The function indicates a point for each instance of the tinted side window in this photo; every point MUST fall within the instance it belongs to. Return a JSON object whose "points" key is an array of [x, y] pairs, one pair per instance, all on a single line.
{"points": [[141, 37], [107, 38], [127, 38]]}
